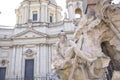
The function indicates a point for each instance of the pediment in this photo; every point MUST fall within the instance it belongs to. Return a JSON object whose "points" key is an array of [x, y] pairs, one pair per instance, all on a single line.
{"points": [[30, 33]]}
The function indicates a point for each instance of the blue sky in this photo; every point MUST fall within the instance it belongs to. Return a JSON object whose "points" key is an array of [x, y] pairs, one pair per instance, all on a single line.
{"points": [[7, 9]]}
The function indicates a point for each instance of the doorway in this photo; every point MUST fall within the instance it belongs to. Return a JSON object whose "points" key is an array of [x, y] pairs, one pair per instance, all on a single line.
{"points": [[2, 73], [29, 69]]}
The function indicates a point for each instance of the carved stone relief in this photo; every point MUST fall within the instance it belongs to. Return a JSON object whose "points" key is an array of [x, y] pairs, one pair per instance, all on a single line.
{"points": [[4, 62], [29, 53]]}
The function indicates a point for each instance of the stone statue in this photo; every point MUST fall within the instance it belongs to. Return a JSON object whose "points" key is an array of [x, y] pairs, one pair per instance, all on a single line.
{"points": [[85, 52], [62, 48], [96, 46], [65, 57], [90, 44], [110, 15]]}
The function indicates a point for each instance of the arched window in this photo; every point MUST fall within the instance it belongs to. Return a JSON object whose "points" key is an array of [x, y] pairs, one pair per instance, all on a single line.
{"points": [[78, 13]]}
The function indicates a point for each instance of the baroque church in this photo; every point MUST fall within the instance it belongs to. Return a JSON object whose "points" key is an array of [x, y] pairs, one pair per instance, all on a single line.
{"points": [[28, 48]]}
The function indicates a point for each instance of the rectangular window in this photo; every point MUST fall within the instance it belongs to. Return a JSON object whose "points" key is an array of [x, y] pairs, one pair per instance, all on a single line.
{"points": [[2, 73], [29, 69], [51, 19], [35, 15]]}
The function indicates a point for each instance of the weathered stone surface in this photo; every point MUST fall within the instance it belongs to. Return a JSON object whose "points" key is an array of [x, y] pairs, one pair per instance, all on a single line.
{"points": [[116, 75], [97, 43]]}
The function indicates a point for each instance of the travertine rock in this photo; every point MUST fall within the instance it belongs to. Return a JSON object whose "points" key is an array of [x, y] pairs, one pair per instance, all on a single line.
{"points": [[116, 75], [97, 47]]}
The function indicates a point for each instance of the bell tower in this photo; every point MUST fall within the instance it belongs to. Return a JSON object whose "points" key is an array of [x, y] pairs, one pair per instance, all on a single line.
{"points": [[75, 8]]}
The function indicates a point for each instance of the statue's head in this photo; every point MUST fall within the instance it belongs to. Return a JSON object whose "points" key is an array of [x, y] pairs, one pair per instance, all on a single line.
{"points": [[62, 36]]}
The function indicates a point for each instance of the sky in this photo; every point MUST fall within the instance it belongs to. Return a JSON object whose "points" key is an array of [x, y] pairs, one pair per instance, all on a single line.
{"points": [[7, 10]]}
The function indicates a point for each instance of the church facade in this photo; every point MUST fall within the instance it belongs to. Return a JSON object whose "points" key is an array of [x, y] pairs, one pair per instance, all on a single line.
{"points": [[27, 49]]}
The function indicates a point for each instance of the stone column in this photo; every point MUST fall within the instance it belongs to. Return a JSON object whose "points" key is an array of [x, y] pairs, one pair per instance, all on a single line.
{"points": [[50, 57], [18, 61], [26, 13], [37, 62], [43, 60], [23, 15], [47, 58], [44, 12], [12, 63]]}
